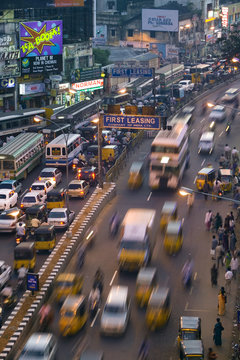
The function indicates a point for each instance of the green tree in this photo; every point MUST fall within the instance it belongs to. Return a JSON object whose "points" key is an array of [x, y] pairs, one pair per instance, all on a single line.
{"points": [[101, 56], [230, 47]]}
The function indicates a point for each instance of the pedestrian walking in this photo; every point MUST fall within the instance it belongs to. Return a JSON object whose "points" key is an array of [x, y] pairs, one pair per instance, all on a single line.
{"points": [[211, 354], [227, 259], [234, 265], [208, 219], [213, 247], [220, 234], [214, 275], [221, 301], [233, 241], [227, 222], [217, 333], [235, 155], [219, 254], [225, 241], [205, 189], [228, 278], [227, 152], [217, 222]]}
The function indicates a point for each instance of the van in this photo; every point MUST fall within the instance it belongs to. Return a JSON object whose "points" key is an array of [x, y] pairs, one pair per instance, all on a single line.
{"points": [[230, 95], [42, 346], [116, 312], [206, 143], [109, 150], [137, 240]]}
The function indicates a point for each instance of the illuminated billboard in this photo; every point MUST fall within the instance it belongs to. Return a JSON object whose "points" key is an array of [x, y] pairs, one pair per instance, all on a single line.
{"points": [[160, 20], [39, 4], [69, 3], [225, 17], [40, 38], [88, 85]]}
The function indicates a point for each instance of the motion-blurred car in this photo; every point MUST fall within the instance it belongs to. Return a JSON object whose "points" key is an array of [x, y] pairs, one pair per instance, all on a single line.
{"points": [[5, 273], [9, 219], [11, 185], [60, 217], [218, 113], [8, 199], [187, 85]]}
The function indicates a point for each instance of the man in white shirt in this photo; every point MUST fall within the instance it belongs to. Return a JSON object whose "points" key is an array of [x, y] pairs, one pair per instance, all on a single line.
{"points": [[234, 265], [228, 278]]}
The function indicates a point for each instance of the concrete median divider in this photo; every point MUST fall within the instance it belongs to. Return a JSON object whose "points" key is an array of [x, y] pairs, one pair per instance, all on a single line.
{"points": [[24, 315]]}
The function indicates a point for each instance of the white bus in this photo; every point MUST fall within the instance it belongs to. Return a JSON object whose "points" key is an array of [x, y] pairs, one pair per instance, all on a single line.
{"points": [[57, 154], [20, 155], [169, 157]]}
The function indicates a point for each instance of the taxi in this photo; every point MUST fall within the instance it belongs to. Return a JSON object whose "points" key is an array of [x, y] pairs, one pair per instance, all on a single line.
{"points": [[169, 212], [68, 284], [205, 175], [189, 328], [191, 349], [8, 199], [135, 179], [73, 314], [158, 309], [226, 179], [145, 283], [173, 239]]}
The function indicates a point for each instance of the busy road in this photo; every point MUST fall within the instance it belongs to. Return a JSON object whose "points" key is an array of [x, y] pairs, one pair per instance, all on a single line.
{"points": [[200, 299]]}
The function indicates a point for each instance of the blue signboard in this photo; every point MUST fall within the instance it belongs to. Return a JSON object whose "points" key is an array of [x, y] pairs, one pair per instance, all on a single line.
{"points": [[132, 122], [32, 282], [132, 72]]}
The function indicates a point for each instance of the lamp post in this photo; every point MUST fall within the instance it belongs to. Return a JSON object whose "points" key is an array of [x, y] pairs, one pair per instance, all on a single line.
{"points": [[39, 119], [184, 191], [98, 121]]}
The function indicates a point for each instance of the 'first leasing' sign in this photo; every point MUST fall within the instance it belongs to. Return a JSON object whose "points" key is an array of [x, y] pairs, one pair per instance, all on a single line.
{"points": [[88, 85]]}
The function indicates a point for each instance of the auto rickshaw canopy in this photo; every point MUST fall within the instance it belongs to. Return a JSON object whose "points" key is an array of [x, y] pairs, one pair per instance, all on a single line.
{"points": [[72, 303], [190, 323], [24, 250], [44, 232], [174, 227], [225, 173], [136, 167], [192, 348], [146, 276], [169, 208], [56, 195], [36, 210], [160, 297], [206, 172], [65, 278]]}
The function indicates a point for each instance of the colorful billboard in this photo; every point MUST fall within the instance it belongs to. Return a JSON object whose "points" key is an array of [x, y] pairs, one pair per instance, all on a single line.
{"points": [[160, 20], [69, 3], [41, 65], [225, 17], [88, 85], [40, 38]]}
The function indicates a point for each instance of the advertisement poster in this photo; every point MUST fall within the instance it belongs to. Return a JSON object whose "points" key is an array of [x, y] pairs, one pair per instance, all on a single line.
{"points": [[40, 38], [41, 65], [69, 3], [160, 20], [101, 35]]}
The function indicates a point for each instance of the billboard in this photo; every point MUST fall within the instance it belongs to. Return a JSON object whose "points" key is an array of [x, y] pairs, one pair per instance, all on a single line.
{"points": [[40, 38], [39, 4], [68, 3], [88, 85], [132, 121], [101, 35], [41, 64], [225, 17], [160, 20]]}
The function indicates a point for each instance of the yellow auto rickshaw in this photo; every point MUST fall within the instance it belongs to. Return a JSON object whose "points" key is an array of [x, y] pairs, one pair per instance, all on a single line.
{"points": [[145, 283], [25, 255], [191, 349], [158, 309], [135, 179], [205, 175], [68, 284], [168, 213], [173, 239], [189, 328], [73, 314], [45, 238], [226, 179], [56, 199]]}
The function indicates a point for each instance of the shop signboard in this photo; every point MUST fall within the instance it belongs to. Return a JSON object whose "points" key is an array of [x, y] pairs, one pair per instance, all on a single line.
{"points": [[9, 55], [132, 122], [101, 35], [132, 72], [160, 20], [88, 85], [27, 89], [39, 4], [89, 73], [40, 38], [41, 64], [7, 83], [6, 41], [225, 17]]}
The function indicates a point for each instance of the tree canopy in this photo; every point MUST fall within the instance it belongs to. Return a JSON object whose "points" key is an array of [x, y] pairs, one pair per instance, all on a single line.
{"points": [[230, 47], [101, 56]]}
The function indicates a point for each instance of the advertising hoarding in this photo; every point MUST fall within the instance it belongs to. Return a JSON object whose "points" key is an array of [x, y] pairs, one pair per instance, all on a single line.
{"points": [[88, 85], [132, 72], [39, 4], [27, 89], [101, 35], [132, 121], [40, 38], [225, 17], [160, 20], [41, 65], [68, 3]]}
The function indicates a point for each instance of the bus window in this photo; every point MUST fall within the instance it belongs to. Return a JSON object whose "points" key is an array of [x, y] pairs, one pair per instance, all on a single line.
{"points": [[56, 151], [8, 165]]}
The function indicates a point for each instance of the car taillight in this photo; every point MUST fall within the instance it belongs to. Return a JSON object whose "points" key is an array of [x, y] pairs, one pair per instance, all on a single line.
{"points": [[62, 222], [81, 192], [54, 179], [21, 205], [39, 178], [93, 175], [30, 189]]}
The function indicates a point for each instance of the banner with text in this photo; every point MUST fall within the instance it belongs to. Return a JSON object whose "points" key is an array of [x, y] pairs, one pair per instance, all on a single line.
{"points": [[41, 65], [40, 38], [160, 20], [132, 122]]}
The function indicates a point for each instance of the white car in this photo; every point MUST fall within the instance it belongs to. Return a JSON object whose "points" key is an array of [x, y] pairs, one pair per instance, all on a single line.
{"points": [[9, 219], [5, 273], [187, 85], [42, 186], [60, 218], [32, 198], [218, 113], [8, 199], [52, 174]]}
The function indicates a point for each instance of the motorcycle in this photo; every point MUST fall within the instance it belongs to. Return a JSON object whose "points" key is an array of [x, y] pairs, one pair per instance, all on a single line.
{"points": [[93, 307], [228, 128], [187, 274], [19, 239], [114, 225], [9, 301]]}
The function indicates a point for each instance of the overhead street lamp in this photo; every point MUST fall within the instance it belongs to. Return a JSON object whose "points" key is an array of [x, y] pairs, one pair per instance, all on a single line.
{"points": [[184, 191], [98, 121], [39, 119]]}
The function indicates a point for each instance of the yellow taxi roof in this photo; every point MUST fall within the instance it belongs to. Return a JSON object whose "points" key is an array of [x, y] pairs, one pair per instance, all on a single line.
{"points": [[206, 171], [66, 277]]}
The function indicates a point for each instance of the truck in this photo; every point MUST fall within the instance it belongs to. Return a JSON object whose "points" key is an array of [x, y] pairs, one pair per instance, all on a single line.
{"points": [[137, 239]]}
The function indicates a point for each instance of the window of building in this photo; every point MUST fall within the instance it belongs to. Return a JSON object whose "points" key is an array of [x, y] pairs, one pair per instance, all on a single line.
{"points": [[152, 34], [113, 32], [130, 32], [111, 5]]}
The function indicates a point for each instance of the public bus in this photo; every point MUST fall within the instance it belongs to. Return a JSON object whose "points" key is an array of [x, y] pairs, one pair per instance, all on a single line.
{"points": [[168, 75], [115, 99], [20, 155], [169, 157], [62, 150]]}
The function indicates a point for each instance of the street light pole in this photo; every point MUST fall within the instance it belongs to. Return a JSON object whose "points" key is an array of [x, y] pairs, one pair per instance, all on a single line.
{"points": [[184, 191], [100, 180]]}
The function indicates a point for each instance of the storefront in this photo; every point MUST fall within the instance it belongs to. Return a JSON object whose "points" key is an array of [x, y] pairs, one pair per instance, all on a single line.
{"points": [[86, 89], [32, 95], [7, 94]]}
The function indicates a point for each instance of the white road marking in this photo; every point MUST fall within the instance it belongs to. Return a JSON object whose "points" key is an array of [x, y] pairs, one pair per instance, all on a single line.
{"points": [[114, 275], [95, 318], [195, 276], [203, 162], [202, 120], [192, 131], [196, 310], [191, 290], [149, 196], [220, 134], [195, 180], [186, 306], [23, 193]]}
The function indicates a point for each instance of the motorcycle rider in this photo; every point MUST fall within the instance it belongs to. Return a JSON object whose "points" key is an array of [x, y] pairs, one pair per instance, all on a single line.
{"points": [[21, 230], [46, 315], [35, 223], [82, 157], [98, 280], [94, 296], [22, 272], [114, 224], [187, 271]]}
